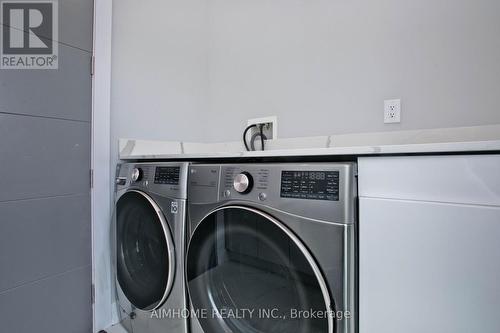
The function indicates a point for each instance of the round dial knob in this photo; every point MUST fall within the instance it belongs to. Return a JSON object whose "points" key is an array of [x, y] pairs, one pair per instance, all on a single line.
{"points": [[136, 174], [243, 183]]}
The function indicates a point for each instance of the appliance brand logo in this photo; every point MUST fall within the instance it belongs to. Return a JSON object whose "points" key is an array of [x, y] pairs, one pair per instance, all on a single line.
{"points": [[29, 34], [174, 207]]}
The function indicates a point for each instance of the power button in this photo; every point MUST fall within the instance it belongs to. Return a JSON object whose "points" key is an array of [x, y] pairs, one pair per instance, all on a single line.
{"points": [[262, 196]]}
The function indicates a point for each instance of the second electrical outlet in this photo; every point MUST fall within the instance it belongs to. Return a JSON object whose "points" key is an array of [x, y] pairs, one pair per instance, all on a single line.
{"points": [[392, 111]]}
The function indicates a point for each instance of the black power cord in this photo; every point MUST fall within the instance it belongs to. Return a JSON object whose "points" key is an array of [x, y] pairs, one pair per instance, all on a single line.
{"points": [[245, 135], [261, 136], [254, 137]]}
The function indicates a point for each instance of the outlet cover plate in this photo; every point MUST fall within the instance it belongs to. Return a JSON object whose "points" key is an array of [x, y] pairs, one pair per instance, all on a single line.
{"points": [[392, 111], [273, 120]]}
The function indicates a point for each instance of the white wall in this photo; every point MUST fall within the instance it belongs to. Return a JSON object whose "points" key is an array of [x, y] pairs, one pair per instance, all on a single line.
{"points": [[159, 69], [196, 70], [325, 66]]}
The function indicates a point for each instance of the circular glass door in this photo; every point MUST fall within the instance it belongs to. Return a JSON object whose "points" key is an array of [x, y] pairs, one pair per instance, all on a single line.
{"points": [[247, 273], [145, 259]]}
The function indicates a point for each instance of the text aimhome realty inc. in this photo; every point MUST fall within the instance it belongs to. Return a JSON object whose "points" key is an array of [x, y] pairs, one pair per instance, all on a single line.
{"points": [[273, 313]]}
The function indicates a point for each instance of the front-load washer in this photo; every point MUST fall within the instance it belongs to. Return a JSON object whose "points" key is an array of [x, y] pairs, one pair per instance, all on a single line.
{"points": [[272, 248], [149, 243]]}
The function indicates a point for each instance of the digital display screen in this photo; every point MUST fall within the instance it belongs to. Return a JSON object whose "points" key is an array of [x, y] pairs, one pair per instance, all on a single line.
{"points": [[167, 175], [314, 185]]}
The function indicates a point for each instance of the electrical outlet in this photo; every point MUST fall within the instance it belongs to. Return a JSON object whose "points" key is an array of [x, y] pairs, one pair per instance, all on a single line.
{"points": [[392, 111], [270, 128]]}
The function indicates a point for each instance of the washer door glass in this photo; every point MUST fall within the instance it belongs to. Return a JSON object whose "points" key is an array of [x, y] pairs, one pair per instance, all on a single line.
{"points": [[144, 251], [248, 273]]}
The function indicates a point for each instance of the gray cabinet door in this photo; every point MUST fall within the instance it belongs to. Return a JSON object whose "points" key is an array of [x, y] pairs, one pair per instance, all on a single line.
{"points": [[45, 226]]}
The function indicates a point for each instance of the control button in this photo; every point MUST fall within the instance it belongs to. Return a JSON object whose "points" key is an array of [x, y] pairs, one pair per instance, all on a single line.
{"points": [[262, 196], [227, 194], [136, 174], [243, 183], [121, 181]]}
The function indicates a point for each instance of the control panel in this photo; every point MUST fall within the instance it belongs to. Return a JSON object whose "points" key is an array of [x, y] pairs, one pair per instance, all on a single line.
{"points": [[326, 191], [313, 185], [167, 175], [162, 174], [163, 178], [296, 184]]}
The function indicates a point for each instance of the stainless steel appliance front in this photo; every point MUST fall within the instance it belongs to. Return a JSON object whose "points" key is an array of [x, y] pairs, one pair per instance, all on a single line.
{"points": [[272, 248], [149, 243]]}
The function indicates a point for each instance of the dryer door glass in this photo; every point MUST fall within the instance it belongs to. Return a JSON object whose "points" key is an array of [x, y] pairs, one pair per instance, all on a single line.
{"points": [[248, 273], [144, 251]]}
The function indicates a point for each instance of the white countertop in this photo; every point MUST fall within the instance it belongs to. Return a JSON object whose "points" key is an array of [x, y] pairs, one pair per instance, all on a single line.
{"points": [[444, 140]]}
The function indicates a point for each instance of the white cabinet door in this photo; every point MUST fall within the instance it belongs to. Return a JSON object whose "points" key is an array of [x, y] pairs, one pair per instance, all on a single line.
{"points": [[454, 179], [428, 267], [429, 241]]}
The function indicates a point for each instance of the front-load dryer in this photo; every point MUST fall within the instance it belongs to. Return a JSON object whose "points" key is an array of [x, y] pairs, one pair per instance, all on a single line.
{"points": [[272, 248], [149, 243]]}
